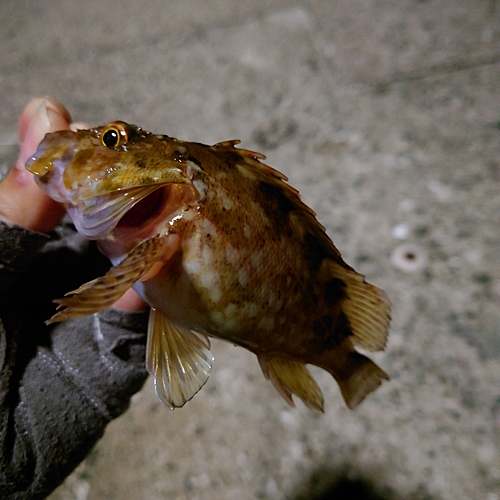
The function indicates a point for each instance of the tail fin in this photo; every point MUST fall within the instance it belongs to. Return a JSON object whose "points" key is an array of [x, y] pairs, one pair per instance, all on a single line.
{"points": [[357, 377]]}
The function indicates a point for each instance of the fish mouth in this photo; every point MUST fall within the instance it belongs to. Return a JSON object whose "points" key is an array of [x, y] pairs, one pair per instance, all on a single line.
{"points": [[97, 216], [144, 211], [55, 150], [49, 162], [130, 213]]}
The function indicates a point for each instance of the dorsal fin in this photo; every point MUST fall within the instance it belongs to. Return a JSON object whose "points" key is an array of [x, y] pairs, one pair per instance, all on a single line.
{"points": [[271, 176]]}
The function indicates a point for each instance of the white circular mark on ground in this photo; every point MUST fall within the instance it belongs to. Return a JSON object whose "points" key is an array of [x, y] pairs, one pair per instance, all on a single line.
{"points": [[410, 258]]}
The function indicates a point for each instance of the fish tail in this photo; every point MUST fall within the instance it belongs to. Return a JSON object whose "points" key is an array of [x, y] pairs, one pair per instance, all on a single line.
{"points": [[363, 314], [356, 375]]}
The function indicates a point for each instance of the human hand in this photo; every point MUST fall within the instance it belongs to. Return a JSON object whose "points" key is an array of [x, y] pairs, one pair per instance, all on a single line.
{"points": [[22, 202]]}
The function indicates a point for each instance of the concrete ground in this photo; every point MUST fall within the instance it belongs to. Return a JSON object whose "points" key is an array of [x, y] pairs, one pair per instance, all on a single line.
{"points": [[385, 114]]}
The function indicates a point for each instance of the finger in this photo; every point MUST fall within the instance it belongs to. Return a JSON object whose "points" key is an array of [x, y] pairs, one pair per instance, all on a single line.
{"points": [[130, 302], [79, 126], [21, 201], [39, 117], [54, 107]]}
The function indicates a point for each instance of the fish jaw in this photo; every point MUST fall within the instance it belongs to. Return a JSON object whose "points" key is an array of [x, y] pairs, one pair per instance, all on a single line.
{"points": [[54, 153], [167, 210]]}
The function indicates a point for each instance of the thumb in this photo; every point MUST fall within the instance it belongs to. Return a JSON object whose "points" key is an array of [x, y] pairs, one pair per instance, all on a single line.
{"points": [[22, 202], [39, 117]]}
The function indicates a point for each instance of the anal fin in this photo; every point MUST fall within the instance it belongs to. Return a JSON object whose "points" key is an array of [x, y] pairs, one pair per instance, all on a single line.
{"points": [[103, 292], [178, 359], [292, 377]]}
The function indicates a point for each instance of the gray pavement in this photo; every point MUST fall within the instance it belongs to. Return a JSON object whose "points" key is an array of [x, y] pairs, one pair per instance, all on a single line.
{"points": [[386, 116]]}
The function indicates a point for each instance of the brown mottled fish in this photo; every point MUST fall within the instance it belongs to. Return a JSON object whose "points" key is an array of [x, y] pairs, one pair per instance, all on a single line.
{"points": [[218, 245]]}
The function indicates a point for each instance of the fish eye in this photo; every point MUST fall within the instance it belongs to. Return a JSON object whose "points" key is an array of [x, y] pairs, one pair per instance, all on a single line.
{"points": [[115, 134]]}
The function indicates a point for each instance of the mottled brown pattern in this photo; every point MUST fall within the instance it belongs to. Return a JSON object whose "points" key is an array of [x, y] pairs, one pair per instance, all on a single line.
{"points": [[254, 266]]}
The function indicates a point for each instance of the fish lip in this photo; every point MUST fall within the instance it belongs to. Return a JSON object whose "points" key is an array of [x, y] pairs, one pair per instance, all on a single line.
{"points": [[49, 162], [54, 152]]}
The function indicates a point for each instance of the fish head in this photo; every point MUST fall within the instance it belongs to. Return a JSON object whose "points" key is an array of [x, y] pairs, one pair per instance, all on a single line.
{"points": [[100, 174]]}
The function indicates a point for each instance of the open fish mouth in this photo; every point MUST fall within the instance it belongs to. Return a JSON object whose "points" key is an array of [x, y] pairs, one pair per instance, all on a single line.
{"points": [[134, 210], [96, 217], [144, 210]]}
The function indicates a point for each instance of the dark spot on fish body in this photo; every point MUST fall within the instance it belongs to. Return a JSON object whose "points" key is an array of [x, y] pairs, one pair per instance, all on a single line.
{"points": [[276, 205], [173, 267], [322, 326], [330, 333], [232, 158], [141, 162], [314, 252], [193, 159], [334, 291], [341, 331], [154, 162]]}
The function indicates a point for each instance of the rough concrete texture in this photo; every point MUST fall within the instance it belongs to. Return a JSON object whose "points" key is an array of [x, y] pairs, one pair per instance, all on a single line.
{"points": [[385, 115]]}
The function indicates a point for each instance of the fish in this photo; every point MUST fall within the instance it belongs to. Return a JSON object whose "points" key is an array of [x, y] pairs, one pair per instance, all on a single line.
{"points": [[220, 246]]}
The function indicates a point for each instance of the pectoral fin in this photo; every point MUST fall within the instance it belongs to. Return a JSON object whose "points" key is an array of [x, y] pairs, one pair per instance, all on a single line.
{"points": [[292, 377], [178, 359], [103, 292]]}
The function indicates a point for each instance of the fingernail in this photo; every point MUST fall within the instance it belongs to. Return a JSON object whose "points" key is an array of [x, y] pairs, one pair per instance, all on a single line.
{"points": [[39, 125], [49, 116], [75, 126], [40, 119], [56, 115]]}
